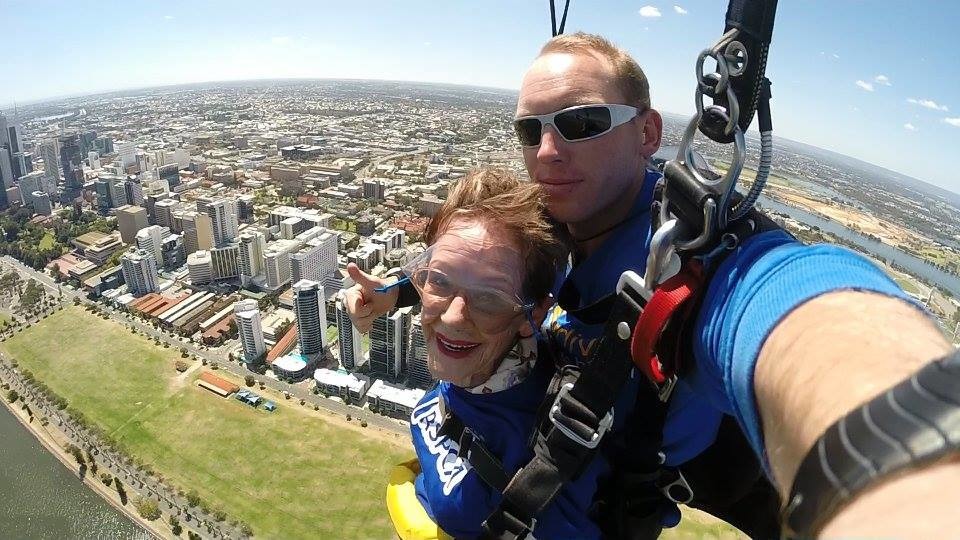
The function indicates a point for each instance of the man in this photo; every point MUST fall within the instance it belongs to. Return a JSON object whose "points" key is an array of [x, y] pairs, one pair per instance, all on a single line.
{"points": [[788, 342]]}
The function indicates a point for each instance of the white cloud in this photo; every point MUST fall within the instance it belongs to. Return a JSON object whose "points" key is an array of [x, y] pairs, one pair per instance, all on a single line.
{"points": [[168, 17], [865, 85], [928, 103], [909, 127], [882, 79], [835, 56], [426, 43], [649, 11], [281, 40], [955, 122], [679, 10]]}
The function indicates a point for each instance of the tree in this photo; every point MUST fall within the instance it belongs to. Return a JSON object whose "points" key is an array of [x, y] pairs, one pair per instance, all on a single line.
{"points": [[12, 396], [148, 509], [193, 498], [219, 515], [246, 529], [248, 380]]}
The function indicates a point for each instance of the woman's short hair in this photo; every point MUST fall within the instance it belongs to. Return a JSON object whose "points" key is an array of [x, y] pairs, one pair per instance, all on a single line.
{"points": [[499, 197]]}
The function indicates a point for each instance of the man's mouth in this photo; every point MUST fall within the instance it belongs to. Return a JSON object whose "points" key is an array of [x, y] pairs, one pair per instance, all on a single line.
{"points": [[455, 348]]}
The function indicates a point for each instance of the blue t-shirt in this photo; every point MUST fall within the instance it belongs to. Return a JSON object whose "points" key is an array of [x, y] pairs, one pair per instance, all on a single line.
{"points": [[756, 286], [451, 491]]}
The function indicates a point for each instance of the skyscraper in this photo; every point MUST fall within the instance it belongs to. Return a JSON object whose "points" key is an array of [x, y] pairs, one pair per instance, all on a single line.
{"points": [[200, 267], [223, 215], [310, 307], [29, 183], [150, 239], [41, 203], [139, 271], [50, 152], [250, 261], [418, 375], [128, 154], [70, 158], [250, 329], [350, 353], [6, 168], [131, 219], [389, 343]]}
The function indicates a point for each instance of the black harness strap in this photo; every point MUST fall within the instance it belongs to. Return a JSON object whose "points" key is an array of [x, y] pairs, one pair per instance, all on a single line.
{"points": [[580, 415], [472, 449]]}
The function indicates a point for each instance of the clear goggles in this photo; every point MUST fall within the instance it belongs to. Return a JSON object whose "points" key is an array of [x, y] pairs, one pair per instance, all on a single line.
{"points": [[440, 279]]}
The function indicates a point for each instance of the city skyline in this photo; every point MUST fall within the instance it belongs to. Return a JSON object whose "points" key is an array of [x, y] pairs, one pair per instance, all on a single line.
{"points": [[900, 110]]}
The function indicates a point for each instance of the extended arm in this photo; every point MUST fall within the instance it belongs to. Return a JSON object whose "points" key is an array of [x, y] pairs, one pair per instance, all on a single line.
{"points": [[824, 359]]}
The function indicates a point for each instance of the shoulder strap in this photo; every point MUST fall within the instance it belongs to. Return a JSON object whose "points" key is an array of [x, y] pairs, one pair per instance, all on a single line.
{"points": [[471, 448]]}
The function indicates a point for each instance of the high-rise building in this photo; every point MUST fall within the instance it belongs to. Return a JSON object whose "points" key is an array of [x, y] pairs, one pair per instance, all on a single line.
{"points": [[41, 203], [22, 163], [200, 267], [310, 307], [163, 212], [6, 168], [250, 329], [134, 191], [351, 354], [131, 219], [374, 189], [50, 152], [87, 140], [418, 374], [150, 239], [128, 154], [389, 339], [250, 261], [70, 161], [390, 239], [173, 253], [224, 261], [139, 271], [223, 214], [29, 183]]}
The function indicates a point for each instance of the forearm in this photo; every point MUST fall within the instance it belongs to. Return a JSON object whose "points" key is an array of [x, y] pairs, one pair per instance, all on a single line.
{"points": [[826, 358]]}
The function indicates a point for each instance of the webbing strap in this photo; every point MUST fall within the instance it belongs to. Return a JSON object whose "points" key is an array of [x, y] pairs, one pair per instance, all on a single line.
{"points": [[580, 416], [672, 295], [472, 449]]}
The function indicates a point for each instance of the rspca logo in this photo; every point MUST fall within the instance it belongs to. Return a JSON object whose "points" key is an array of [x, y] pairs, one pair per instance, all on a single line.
{"points": [[450, 467]]}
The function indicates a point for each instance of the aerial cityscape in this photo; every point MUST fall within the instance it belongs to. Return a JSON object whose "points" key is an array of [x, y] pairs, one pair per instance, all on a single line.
{"points": [[190, 243]]}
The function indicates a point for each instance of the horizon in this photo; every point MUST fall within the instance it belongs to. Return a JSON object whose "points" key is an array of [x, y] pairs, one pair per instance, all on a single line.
{"points": [[899, 110]]}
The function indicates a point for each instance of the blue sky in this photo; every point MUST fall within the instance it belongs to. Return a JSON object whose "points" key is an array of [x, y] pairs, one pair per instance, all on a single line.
{"points": [[877, 80]]}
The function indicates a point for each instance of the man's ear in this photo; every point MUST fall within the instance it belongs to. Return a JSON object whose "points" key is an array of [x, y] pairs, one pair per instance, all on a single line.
{"points": [[652, 133], [538, 314]]}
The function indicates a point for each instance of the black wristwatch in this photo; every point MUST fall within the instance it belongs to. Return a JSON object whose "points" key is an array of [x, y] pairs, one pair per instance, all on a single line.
{"points": [[912, 424]]}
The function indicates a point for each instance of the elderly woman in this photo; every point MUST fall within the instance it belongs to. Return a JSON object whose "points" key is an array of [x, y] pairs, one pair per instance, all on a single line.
{"points": [[484, 284]]}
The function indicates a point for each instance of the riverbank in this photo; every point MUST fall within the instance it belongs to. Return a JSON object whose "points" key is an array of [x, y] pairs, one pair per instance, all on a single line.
{"points": [[54, 441]]}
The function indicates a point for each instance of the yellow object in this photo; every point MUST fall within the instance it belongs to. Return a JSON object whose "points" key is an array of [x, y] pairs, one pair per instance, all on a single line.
{"points": [[409, 518]]}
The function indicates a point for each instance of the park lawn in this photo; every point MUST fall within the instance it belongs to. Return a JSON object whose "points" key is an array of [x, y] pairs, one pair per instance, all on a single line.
{"points": [[47, 242], [287, 473]]}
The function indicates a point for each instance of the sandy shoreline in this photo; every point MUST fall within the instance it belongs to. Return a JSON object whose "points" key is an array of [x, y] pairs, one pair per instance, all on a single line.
{"points": [[52, 445]]}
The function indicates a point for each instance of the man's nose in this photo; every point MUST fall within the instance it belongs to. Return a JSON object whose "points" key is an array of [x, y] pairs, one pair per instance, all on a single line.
{"points": [[551, 146]]}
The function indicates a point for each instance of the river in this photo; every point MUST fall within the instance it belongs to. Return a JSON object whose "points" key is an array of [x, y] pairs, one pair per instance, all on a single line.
{"points": [[42, 499], [912, 264]]}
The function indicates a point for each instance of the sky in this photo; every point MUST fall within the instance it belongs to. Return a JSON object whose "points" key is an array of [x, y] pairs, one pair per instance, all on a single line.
{"points": [[876, 80]]}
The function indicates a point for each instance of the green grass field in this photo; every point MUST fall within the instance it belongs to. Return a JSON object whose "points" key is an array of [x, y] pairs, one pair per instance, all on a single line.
{"points": [[288, 474]]}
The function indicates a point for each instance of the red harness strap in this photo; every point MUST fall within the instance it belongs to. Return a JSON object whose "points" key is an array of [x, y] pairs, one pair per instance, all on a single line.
{"points": [[670, 296]]}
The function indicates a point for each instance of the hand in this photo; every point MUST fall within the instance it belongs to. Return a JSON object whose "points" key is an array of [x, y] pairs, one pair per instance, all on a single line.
{"points": [[364, 304]]}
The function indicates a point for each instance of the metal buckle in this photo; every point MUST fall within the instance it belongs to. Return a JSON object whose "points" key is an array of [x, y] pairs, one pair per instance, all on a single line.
{"points": [[605, 423], [664, 390], [681, 483]]}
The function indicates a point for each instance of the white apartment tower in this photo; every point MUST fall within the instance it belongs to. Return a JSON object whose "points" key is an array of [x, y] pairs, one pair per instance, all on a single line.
{"points": [[350, 353], [250, 328], [140, 272]]}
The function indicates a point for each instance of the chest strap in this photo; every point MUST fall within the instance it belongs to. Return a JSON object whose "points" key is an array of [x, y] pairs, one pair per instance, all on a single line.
{"points": [[470, 448]]}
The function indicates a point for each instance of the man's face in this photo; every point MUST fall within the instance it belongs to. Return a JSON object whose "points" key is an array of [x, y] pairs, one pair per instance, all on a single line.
{"points": [[592, 179]]}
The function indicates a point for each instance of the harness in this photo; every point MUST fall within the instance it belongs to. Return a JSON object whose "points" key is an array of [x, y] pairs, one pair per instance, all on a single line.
{"points": [[698, 218]]}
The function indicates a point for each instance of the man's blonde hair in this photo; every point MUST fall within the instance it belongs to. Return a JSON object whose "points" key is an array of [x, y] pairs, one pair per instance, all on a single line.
{"points": [[629, 76], [500, 198]]}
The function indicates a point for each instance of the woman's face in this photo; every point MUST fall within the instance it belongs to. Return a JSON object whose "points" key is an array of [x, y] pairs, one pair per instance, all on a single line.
{"points": [[472, 261]]}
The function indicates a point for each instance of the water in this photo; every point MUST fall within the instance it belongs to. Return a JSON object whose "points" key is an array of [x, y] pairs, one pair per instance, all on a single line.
{"points": [[914, 265], [42, 499]]}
